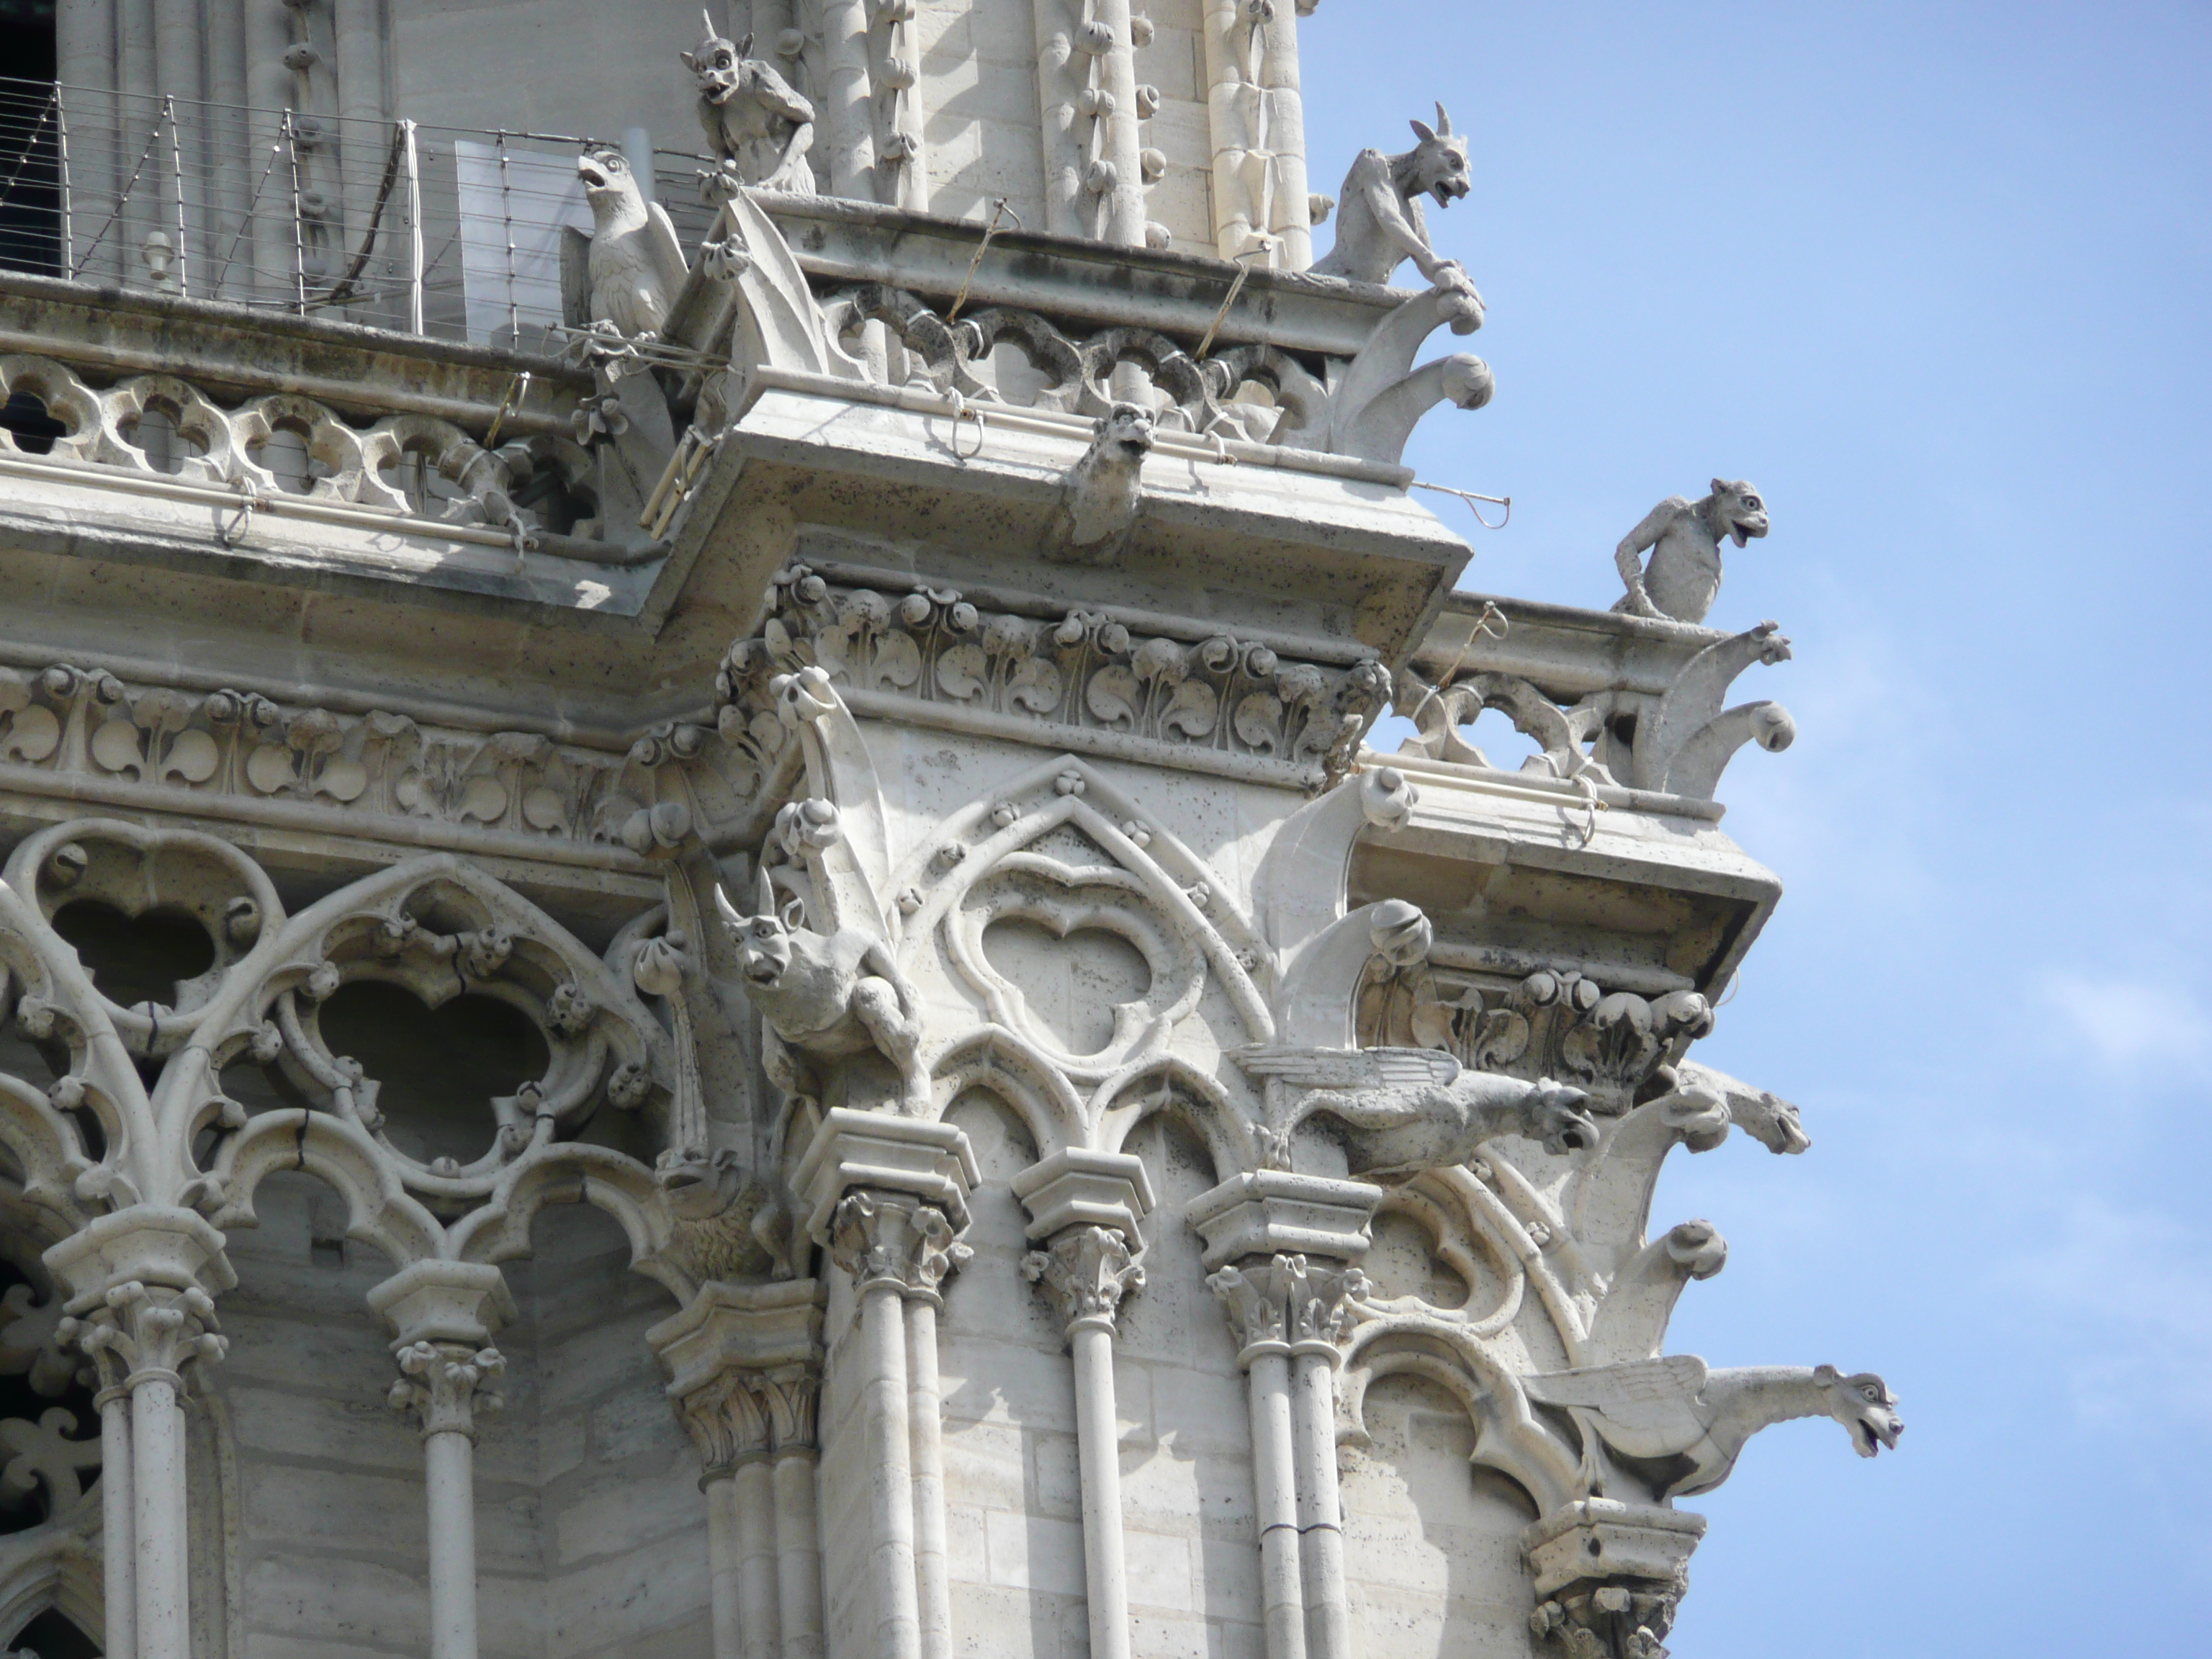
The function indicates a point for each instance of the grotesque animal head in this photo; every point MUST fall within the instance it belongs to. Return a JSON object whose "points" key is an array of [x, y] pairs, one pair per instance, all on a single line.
{"points": [[1125, 434], [1777, 1124], [718, 64], [1738, 512], [1864, 1405], [607, 181], [1438, 164], [1556, 1117], [763, 942]]}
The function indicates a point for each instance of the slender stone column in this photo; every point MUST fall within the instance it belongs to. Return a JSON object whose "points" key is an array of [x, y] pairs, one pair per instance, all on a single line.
{"points": [[139, 1303], [119, 1530], [444, 1313], [745, 1363], [888, 1196], [1085, 1208], [1283, 1245]]}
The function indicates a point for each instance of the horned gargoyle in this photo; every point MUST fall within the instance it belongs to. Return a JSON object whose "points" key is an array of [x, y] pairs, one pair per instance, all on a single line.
{"points": [[755, 121], [1656, 1410], [1685, 537], [1380, 222], [827, 999], [1408, 1110]]}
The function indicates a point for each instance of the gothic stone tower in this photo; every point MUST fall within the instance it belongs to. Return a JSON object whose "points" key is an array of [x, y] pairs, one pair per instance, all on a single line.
{"points": [[699, 951]]}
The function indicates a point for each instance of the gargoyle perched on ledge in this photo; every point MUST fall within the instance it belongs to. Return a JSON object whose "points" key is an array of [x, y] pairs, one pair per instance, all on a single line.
{"points": [[1381, 223], [826, 998], [1685, 537], [754, 120]]}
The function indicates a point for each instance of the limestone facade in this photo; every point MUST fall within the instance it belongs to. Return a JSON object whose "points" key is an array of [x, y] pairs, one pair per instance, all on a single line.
{"points": [[746, 987]]}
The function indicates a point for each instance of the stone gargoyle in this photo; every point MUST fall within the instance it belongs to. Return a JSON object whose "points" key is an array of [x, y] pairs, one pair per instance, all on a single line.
{"points": [[625, 276], [1684, 537], [1380, 222], [755, 122], [1658, 1410], [828, 999], [1100, 494], [1404, 1110]]}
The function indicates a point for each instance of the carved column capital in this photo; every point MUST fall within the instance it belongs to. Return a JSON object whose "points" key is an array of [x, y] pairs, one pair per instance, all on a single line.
{"points": [[444, 1386], [139, 1333], [1288, 1305], [1086, 1270], [893, 1238], [744, 1364], [1609, 1577]]}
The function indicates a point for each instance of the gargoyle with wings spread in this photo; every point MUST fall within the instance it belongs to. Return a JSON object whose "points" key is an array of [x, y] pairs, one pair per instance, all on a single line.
{"points": [[1673, 1408], [1408, 1110]]}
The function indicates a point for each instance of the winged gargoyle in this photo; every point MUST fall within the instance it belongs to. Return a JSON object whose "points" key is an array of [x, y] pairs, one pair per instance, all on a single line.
{"points": [[627, 273], [1653, 1410], [1408, 1110]]}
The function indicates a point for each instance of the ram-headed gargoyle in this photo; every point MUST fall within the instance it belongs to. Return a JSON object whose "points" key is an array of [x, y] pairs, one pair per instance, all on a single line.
{"points": [[1695, 1423], [1408, 1110], [829, 1001]]}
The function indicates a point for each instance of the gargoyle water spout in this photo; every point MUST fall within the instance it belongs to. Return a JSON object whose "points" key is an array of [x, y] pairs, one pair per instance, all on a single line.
{"points": [[1408, 1110], [1658, 1409]]}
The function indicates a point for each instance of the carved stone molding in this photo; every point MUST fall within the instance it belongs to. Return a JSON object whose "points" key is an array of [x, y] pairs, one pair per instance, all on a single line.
{"points": [[1066, 669], [152, 1332], [1086, 1270], [1548, 1024], [234, 753]]}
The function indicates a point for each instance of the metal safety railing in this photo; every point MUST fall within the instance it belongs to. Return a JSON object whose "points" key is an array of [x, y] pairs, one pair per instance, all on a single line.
{"points": [[448, 232]]}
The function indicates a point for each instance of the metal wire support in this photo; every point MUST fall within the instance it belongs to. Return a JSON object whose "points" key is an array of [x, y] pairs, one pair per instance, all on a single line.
{"points": [[177, 179], [61, 143], [414, 228], [507, 220], [998, 209], [1470, 497], [299, 230], [1262, 245]]}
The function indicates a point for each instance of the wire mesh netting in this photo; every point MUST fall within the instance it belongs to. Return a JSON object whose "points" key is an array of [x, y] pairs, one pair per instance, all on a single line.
{"points": [[443, 231]]}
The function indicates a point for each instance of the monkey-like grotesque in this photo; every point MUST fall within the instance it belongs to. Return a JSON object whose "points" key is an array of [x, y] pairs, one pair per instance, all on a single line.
{"points": [[1685, 538], [1100, 495], [1381, 223], [755, 121]]}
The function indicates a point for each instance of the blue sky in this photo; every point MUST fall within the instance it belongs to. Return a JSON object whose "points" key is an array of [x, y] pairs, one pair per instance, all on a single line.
{"points": [[1935, 276]]}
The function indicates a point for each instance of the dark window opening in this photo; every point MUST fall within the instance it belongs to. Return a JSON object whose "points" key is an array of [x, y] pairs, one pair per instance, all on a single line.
{"points": [[135, 959], [30, 149]]}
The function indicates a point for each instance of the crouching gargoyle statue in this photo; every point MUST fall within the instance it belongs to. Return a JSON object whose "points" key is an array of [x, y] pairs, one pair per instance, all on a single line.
{"points": [[755, 122], [1684, 576], [1693, 1424], [829, 1002], [1404, 1110], [1380, 223]]}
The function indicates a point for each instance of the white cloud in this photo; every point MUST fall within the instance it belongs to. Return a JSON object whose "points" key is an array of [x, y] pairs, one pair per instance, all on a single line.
{"points": [[2132, 1022]]}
